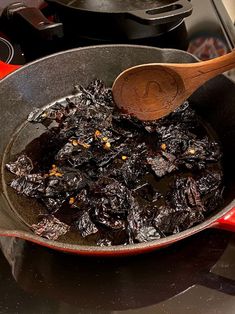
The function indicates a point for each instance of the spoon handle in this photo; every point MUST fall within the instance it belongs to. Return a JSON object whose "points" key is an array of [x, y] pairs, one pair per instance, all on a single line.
{"points": [[196, 74]]}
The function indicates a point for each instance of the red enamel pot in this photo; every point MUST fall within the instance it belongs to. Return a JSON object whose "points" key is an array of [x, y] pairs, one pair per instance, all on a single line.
{"points": [[46, 80]]}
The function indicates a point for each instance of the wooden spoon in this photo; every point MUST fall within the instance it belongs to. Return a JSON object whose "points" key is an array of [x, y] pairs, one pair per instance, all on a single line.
{"points": [[151, 91]]}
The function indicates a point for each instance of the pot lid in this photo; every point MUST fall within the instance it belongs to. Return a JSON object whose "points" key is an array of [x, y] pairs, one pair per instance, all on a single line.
{"points": [[114, 6]]}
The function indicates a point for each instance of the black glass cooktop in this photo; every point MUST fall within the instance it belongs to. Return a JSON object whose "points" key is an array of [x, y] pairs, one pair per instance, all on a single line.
{"points": [[195, 276]]}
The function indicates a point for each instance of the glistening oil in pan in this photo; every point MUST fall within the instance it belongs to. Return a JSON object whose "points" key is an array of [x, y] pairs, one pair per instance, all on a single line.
{"points": [[41, 143], [36, 141]]}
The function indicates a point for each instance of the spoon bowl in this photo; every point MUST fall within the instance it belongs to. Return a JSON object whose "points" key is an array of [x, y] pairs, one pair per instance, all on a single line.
{"points": [[151, 91]]}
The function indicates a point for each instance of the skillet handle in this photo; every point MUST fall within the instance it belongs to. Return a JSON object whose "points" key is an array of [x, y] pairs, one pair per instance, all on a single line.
{"points": [[6, 69], [163, 14], [227, 222]]}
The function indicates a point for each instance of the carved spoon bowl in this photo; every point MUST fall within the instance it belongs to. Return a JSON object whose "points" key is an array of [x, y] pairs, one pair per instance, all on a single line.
{"points": [[151, 91]]}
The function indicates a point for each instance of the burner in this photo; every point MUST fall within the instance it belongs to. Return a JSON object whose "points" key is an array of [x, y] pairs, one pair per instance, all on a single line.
{"points": [[6, 50]]}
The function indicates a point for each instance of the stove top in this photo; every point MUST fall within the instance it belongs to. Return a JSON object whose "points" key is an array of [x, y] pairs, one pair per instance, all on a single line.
{"points": [[195, 276]]}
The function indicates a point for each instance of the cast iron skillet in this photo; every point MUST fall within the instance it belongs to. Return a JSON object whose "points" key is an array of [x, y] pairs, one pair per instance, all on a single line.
{"points": [[51, 78], [117, 21], [145, 11]]}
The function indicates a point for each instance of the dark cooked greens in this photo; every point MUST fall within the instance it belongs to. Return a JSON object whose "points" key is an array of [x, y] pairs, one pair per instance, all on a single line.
{"points": [[115, 179]]}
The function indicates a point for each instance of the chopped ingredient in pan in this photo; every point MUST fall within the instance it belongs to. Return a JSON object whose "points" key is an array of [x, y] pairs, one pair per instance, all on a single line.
{"points": [[22, 166], [162, 163], [117, 180], [50, 227]]}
